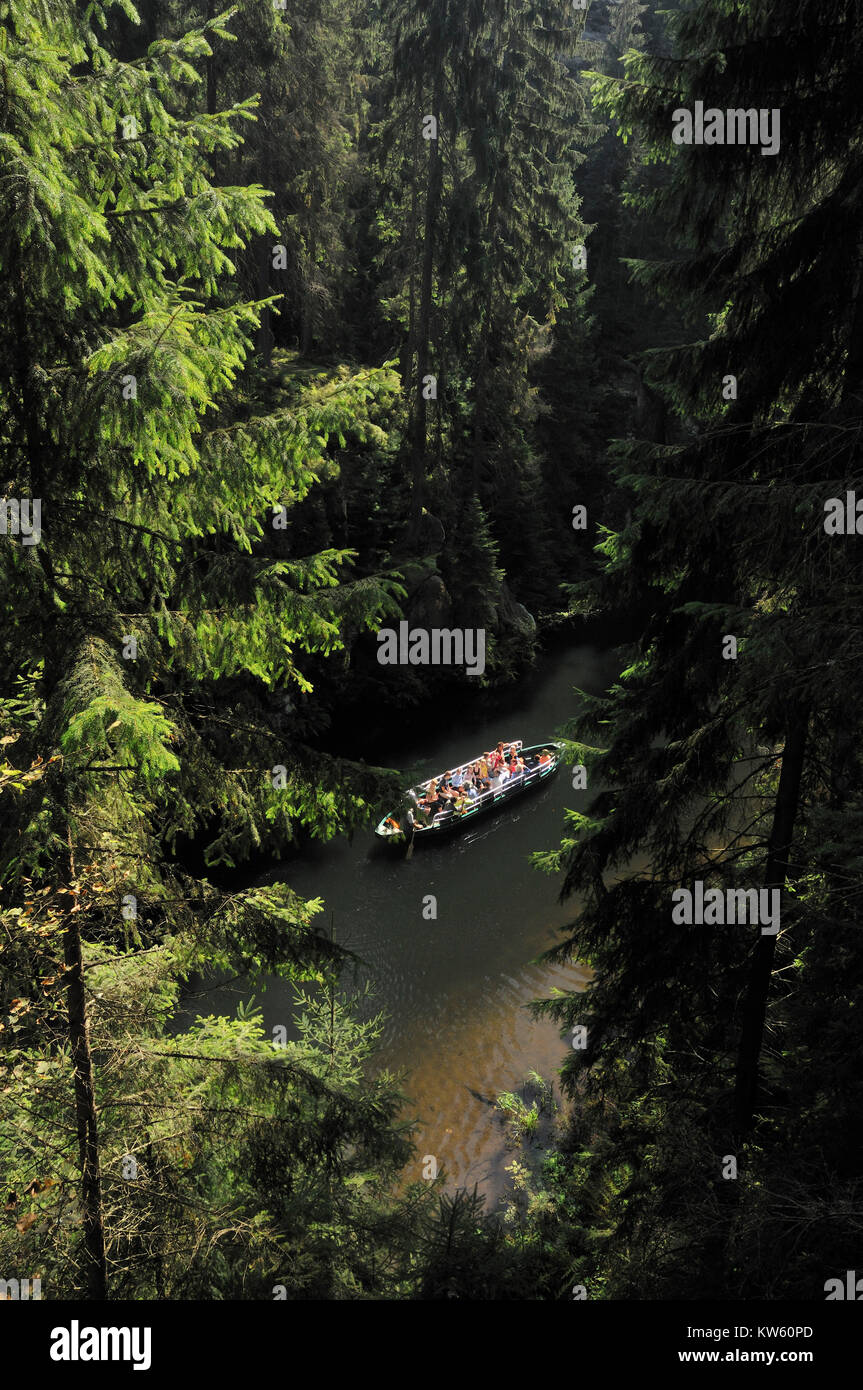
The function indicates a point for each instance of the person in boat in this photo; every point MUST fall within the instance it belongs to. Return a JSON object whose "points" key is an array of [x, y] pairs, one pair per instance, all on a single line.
{"points": [[504, 774], [461, 803], [458, 777], [450, 795], [517, 767], [447, 790], [544, 757], [431, 802], [480, 776]]}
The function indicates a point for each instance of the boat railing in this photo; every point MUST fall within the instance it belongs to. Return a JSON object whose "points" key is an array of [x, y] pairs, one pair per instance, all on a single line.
{"points": [[492, 793], [463, 767]]}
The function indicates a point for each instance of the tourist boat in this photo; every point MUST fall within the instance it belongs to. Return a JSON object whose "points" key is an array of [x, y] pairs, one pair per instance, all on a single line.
{"points": [[408, 824]]}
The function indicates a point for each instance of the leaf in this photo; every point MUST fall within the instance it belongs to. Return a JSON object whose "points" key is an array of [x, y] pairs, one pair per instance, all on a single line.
{"points": [[40, 1185]]}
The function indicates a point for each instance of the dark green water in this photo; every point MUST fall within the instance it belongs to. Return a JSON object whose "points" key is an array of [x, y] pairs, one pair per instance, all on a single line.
{"points": [[455, 988]]}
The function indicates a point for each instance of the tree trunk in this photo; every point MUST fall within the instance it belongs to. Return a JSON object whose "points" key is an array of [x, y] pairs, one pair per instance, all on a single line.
{"points": [[407, 353], [85, 1118], [307, 328], [852, 385], [755, 1004], [85, 1102], [211, 65], [482, 368], [265, 338], [433, 196]]}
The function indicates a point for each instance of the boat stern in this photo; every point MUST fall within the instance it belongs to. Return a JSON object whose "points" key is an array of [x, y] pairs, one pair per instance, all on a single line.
{"points": [[390, 829]]}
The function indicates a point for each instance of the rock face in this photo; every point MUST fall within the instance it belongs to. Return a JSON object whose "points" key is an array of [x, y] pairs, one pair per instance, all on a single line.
{"points": [[430, 605], [432, 535], [513, 616], [650, 413]]}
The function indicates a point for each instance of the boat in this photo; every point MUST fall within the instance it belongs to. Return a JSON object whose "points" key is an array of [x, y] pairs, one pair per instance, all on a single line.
{"points": [[408, 824]]}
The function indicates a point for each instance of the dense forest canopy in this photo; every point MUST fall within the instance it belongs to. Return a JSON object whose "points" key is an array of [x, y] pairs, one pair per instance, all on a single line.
{"points": [[320, 318]]}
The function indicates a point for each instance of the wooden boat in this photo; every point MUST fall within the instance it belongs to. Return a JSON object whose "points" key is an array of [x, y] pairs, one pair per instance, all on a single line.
{"points": [[411, 823]]}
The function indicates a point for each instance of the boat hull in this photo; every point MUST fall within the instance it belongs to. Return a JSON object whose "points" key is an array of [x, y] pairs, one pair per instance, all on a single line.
{"points": [[453, 823]]}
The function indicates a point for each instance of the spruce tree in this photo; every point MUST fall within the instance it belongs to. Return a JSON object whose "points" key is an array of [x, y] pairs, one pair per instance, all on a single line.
{"points": [[714, 769], [478, 231], [158, 615]]}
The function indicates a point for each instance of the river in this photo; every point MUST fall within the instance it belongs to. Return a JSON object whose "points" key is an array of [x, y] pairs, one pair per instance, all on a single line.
{"points": [[454, 989]]}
